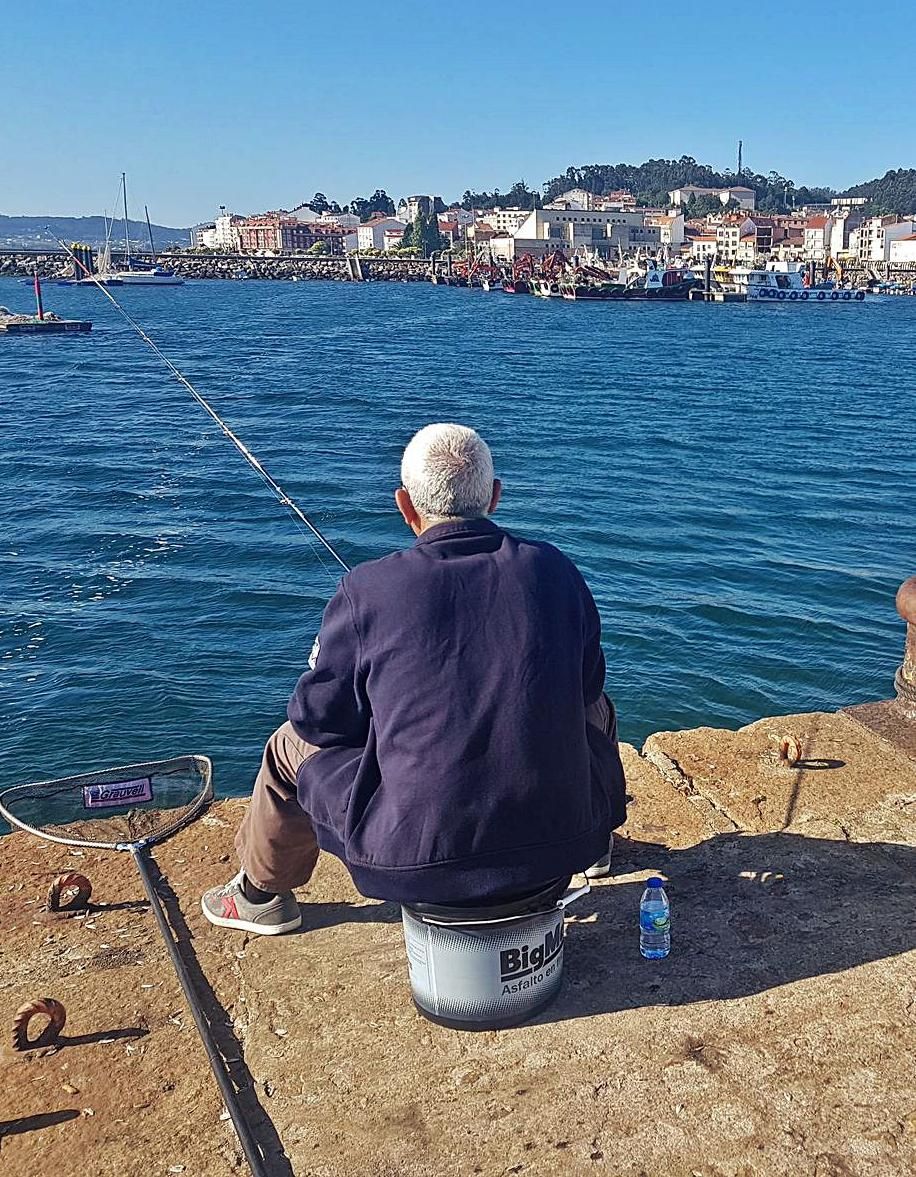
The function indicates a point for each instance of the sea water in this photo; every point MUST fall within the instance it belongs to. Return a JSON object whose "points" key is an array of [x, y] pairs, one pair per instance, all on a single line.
{"points": [[735, 482]]}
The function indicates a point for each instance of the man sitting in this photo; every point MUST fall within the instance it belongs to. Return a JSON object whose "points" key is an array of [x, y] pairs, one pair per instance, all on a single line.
{"points": [[450, 741]]}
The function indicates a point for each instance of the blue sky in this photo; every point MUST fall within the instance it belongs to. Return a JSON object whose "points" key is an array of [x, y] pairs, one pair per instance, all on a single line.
{"points": [[259, 105]]}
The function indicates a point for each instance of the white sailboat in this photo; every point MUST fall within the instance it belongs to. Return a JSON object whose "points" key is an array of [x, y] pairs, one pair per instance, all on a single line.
{"points": [[132, 272]]}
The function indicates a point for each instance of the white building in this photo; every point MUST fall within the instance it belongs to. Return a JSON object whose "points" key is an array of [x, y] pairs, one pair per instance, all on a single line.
{"points": [[728, 236], [905, 227], [226, 234], [746, 198], [342, 220], [392, 238], [703, 245], [903, 250], [844, 223], [202, 235], [747, 245], [870, 240], [372, 234], [575, 198], [670, 226], [817, 238], [877, 234], [580, 232], [503, 220], [221, 235]]}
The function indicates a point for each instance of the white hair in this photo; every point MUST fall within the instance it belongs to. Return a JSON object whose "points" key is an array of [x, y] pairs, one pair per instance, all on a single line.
{"points": [[448, 472]]}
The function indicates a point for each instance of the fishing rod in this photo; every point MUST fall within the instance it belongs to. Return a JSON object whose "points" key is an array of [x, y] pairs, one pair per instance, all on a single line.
{"points": [[139, 851], [279, 493]]}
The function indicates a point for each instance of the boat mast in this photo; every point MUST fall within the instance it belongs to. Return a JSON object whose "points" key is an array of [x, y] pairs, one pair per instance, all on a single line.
{"points": [[149, 229], [41, 310], [126, 228]]}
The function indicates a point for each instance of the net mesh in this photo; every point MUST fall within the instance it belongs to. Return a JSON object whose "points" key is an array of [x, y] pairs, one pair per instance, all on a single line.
{"points": [[114, 807]]}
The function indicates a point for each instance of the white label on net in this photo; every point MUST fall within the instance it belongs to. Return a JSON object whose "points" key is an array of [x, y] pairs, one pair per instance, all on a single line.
{"points": [[117, 793]]}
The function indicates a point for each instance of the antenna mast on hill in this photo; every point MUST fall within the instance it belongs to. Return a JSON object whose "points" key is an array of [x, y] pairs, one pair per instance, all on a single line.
{"points": [[740, 145]]}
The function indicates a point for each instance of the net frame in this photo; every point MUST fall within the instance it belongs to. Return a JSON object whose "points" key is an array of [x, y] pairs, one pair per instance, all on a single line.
{"points": [[147, 768]]}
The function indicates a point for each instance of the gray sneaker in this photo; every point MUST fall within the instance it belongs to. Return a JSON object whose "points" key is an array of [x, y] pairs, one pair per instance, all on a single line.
{"points": [[227, 907], [602, 868]]}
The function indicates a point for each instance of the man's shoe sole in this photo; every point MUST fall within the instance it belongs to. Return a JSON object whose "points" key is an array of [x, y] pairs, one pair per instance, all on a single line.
{"points": [[248, 926], [600, 870]]}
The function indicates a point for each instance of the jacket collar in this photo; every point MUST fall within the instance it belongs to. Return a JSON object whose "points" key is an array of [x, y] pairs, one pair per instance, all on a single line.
{"points": [[459, 527]]}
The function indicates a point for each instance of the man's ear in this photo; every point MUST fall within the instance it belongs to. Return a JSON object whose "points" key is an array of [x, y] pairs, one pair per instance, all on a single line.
{"points": [[408, 510], [497, 493]]}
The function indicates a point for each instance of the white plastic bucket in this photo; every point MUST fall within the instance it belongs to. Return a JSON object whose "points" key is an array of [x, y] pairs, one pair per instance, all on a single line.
{"points": [[486, 968]]}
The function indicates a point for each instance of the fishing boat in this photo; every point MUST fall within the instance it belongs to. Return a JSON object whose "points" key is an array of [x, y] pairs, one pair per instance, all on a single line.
{"points": [[133, 272], [669, 284], [42, 322], [789, 286], [652, 284], [577, 291]]}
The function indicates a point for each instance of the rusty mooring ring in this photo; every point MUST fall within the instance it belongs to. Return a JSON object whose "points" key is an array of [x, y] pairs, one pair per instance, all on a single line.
{"points": [[790, 750], [44, 1007], [69, 881]]}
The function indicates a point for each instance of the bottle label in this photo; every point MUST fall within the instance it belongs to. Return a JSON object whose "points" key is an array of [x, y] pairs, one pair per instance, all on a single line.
{"points": [[655, 922]]}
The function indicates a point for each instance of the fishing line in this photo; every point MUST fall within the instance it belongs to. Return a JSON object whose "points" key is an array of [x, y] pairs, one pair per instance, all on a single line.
{"points": [[50, 822], [279, 493]]}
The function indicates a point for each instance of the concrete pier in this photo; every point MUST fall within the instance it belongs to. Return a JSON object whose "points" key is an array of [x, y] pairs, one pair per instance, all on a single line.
{"points": [[777, 1038]]}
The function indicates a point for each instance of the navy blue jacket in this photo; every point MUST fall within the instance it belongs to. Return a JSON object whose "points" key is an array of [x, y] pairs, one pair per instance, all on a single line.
{"points": [[447, 697]]}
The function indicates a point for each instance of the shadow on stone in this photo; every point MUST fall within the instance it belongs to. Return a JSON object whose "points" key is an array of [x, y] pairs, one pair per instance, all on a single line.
{"points": [[34, 1123], [819, 764], [748, 913], [129, 1032], [330, 915]]}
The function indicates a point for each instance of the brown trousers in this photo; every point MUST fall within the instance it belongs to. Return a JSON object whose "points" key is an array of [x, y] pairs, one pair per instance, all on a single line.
{"points": [[276, 843]]}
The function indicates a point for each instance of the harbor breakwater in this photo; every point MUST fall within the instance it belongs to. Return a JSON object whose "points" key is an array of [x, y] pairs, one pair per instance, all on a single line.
{"points": [[55, 264]]}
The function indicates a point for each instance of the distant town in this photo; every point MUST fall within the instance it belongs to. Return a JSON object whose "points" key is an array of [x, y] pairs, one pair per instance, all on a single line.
{"points": [[580, 223], [678, 210]]}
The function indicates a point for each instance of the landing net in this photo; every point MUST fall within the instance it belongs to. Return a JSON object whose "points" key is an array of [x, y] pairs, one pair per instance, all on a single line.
{"points": [[115, 808]]}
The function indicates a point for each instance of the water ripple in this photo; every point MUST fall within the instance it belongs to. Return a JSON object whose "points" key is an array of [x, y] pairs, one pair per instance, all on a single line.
{"points": [[735, 482]]}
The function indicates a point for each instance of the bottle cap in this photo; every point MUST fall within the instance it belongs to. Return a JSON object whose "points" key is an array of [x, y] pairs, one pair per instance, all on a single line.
{"points": [[655, 882]]}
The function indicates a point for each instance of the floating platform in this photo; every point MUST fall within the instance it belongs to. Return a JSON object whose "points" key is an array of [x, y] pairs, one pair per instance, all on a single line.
{"points": [[32, 325], [716, 296]]}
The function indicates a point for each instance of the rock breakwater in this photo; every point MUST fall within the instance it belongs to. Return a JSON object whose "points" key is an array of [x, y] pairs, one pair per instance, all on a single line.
{"points": [[55, 264]]}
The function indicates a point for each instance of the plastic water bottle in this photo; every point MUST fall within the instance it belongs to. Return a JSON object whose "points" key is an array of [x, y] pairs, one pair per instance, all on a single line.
{"points": [[654, 921]]}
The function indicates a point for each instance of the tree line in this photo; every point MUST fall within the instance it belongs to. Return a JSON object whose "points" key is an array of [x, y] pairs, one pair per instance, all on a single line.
{"points": [[364, 207], [894, 192], [650, 183]]}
